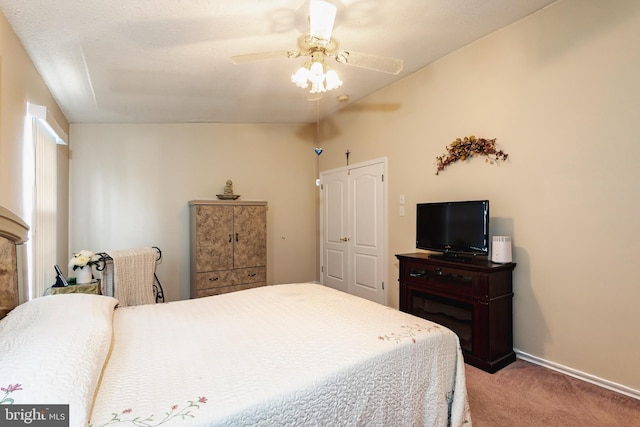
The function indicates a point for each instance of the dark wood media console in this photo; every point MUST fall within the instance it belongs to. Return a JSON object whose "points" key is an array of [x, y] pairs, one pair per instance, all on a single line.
{"points": [[474, 299]]}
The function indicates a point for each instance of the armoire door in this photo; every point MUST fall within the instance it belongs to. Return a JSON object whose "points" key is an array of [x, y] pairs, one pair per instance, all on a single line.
{"points": [[249, 236], [213, 236], [353, 236]]}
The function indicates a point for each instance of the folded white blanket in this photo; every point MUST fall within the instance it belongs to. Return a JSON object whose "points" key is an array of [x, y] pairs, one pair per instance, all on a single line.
{"points": [[133, 271]]}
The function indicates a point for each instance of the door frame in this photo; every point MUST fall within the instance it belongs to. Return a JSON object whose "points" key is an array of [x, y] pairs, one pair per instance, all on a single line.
{"points": [[385, 222]]}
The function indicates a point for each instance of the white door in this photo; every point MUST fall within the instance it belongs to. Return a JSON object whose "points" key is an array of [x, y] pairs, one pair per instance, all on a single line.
{"points": [[366, 231], [334, 230], [352, 230]]}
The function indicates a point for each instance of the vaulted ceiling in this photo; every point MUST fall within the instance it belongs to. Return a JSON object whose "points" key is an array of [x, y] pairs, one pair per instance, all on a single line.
{"points": [[143, 61]]}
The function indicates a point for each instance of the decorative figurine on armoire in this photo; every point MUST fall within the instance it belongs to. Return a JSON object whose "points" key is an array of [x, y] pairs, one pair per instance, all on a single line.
{"points": [[228, 192]]}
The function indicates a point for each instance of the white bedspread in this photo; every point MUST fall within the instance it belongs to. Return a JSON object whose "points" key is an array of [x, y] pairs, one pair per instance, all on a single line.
{"points": [[298, 354]]}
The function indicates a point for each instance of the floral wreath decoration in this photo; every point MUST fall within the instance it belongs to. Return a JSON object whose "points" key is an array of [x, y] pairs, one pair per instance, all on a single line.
{"points": [[466, 148]]}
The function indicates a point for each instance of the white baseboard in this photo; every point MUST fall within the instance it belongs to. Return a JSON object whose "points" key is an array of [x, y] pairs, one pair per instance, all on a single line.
{"points": [[618, 388]]}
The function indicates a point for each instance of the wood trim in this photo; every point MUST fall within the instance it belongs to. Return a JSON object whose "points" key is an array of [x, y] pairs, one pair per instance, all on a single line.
{"points": [[12, 226], [229, 202], [609, 385]]}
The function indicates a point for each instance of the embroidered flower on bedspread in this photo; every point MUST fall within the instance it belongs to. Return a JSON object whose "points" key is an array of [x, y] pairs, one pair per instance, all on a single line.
{"points": [[408, 332], [175, 412], [6, 400]]}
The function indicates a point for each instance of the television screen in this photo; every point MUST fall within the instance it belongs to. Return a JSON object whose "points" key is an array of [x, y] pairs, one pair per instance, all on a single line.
{"points": [[453, 227]]}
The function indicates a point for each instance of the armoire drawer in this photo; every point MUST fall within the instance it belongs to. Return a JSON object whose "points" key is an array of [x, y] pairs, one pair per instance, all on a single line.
{"points": [[226, 289], [214, 279], [249, 275], [230, 278]]}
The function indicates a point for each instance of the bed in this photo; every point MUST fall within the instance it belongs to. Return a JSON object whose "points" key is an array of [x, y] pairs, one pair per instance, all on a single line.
{"points": [[292, 354]]}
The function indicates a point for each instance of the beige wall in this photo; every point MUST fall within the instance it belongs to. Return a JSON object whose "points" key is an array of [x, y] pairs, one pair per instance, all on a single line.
{"points": [[20, 83], [560, 92], [131, 185]]}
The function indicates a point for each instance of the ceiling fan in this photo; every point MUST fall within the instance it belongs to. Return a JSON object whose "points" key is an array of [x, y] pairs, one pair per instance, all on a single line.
{"points": [[318, 45]]}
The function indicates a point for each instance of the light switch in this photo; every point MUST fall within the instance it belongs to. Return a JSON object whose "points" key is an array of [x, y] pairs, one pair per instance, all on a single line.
{"points": [[402, 199], [401, 210]]}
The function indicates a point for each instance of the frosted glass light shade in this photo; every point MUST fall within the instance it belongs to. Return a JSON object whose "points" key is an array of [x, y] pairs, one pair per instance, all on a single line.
{"points": [[316, 73], [300, 77], [333, 81]]}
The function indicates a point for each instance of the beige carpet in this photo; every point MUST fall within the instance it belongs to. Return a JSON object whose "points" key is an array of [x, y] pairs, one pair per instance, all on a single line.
{"points": [[524, 394]]}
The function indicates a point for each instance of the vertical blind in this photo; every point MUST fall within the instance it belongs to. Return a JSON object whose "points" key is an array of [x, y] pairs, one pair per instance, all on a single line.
{"points": [[43, 232]]}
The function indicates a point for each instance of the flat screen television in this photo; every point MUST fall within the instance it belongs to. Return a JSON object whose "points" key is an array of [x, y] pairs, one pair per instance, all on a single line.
{"points": [[457, 230]]}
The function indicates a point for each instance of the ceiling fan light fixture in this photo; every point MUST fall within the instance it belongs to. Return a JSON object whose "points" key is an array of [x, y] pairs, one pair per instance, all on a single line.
{"points": [[318, 44], [301, 77], [316, 72], [317, 87], [319, 75], [332, 79], [322, 15]]}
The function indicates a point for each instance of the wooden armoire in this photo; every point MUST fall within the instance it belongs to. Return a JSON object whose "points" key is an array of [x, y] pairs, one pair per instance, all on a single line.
{"points": [[228, 246]]}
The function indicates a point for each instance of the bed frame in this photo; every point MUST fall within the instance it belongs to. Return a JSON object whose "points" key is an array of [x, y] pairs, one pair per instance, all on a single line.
{"points": [[13, 231]]}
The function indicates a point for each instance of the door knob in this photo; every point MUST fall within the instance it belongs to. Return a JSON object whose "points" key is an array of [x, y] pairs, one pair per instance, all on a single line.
{"points": [[344, 239]]}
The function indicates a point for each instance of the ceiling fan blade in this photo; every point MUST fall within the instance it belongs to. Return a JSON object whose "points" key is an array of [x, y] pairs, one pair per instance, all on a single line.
{"points": [[372, 62], [322, 15], [262, 56]]}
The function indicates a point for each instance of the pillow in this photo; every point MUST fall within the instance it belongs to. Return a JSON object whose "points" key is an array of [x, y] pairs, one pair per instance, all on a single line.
{"points": [[52, 350]]}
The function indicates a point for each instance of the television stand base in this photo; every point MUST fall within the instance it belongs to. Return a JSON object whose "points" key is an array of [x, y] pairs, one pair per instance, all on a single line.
{"points": [[473, 299]]}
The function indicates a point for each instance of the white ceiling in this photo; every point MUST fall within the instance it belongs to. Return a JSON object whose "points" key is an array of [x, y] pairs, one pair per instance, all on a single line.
{"points": [[155, 61]]}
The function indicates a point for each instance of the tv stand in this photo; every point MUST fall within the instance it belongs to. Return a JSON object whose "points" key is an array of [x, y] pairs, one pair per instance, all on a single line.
{"points": [[473, 299]]}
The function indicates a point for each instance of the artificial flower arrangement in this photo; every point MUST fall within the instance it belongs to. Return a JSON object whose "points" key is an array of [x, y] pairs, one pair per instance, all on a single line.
{"points": [[83, 258], [466, 148]]}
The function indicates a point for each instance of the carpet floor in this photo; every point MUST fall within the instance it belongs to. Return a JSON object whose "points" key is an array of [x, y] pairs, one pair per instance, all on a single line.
{"points": [[524, 394]]}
